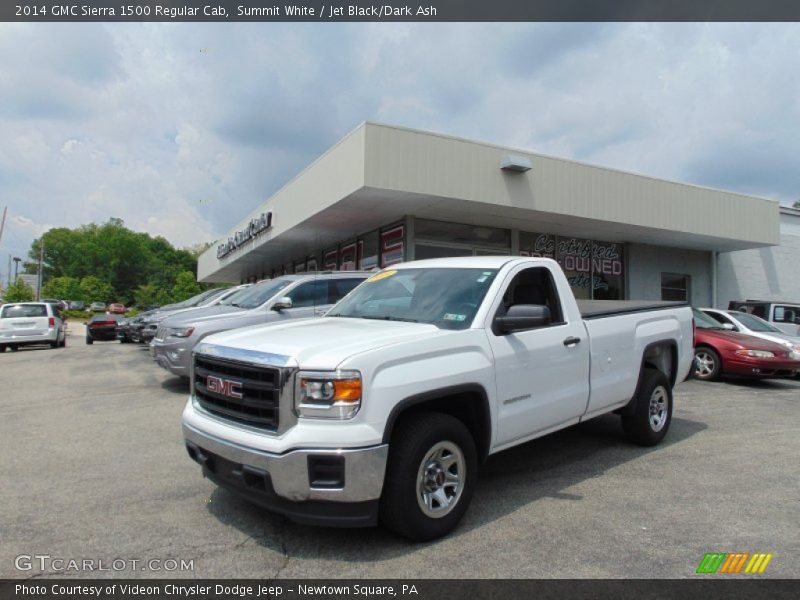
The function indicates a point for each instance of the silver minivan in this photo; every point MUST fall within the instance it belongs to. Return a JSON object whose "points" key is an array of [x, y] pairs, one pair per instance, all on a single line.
{"points": [[299, 296], [27, 323]]}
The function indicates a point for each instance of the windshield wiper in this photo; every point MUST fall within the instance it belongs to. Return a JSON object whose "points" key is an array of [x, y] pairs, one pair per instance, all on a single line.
{"points": [[388, 318]]}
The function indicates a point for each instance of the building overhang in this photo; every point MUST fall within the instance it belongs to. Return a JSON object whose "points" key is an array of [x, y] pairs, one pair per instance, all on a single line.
{"points": [[379, 174]]}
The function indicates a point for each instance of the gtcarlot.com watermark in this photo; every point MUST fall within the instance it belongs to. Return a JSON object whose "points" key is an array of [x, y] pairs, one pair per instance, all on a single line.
{"points": [[57, 564]]}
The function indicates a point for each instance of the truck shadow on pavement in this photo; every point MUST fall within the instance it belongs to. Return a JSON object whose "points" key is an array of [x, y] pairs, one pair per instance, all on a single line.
{"points": [[517, 477]]}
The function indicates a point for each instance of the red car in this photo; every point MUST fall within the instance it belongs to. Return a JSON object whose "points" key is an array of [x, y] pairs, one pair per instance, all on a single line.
{"points": [[718, 350], [117, 309]]}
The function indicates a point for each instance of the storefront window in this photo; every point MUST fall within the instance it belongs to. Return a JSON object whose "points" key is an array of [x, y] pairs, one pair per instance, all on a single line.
{"points": [[368, 251], [607, 267], [674, 287], [300, 267], [347, 258], [330, 260], [312, 263], [537, 244], [594, 269], [392, 246], [457, 233]]}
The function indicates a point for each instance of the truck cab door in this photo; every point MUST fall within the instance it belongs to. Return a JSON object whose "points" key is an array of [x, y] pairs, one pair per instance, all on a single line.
{"points": [[543, 372]]}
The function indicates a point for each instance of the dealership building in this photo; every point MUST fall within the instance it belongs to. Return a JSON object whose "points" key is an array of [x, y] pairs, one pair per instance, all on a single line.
{"points": [[386, 194]]}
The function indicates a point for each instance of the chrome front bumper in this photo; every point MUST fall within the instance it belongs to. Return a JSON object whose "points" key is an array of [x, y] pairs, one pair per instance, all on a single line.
{"points": [[364, 468]]}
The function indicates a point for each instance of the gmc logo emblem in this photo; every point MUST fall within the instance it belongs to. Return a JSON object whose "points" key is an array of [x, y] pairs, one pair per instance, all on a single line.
{"points": [[226, 387]]}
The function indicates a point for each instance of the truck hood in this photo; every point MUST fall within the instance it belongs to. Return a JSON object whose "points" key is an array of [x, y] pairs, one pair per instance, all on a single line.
{"points": [[321, 343]]}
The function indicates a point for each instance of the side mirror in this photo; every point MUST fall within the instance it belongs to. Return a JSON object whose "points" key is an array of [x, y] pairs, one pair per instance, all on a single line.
{"points": [[523, 316], [282, 303], [728, 327]]}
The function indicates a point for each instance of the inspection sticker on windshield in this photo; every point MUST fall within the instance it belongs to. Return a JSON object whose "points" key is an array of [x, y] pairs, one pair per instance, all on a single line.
{"points": [[381, 275], [454, 317], [484, 277]]}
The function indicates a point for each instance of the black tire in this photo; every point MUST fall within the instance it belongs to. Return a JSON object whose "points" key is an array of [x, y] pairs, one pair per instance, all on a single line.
{"points": [[2, 348], [647, 420], [413, 440], [14, 347], [64, 342], [89, 340], [711, 365], [54, 345]]}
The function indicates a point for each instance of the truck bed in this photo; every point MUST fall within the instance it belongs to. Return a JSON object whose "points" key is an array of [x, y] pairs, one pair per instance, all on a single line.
{"points": [[596, 309]]}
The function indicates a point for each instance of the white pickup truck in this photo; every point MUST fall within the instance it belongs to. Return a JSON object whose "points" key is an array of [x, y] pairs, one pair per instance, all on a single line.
{"points": [[383, 409]]}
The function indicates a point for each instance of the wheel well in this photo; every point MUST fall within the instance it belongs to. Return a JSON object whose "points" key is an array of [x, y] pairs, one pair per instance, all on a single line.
{"points": [[468, 403], [662, 356]]}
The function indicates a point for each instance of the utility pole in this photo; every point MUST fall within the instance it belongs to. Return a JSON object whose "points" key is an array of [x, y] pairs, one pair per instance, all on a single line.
{"points": [[3, 223], [9, 270], [16, 267], [41, 260]]}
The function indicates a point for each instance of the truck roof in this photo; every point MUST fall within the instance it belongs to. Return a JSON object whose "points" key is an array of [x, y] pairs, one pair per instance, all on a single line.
{"points": [[469, 262]]}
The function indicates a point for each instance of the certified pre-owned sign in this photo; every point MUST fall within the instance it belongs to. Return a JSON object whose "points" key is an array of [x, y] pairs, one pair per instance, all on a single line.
{"points": [[256, 227]]}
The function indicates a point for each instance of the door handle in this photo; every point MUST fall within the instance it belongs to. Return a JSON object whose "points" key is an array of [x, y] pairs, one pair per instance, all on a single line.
{"points": [[571, 342]]}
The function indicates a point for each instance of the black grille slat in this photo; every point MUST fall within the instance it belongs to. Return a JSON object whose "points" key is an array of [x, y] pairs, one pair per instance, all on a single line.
{"points": [[259, 386]]}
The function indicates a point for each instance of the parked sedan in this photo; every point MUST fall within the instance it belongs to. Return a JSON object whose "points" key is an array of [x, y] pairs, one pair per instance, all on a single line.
{"points": [[29, 323], [722, 351], [752, 325], [97, 306], [116, 308], [102, 327]]}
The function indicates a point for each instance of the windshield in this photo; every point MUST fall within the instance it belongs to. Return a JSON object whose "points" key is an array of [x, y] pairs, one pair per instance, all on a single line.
{"points": [[234, 297], [11, 311], [753, 323], [195, 300], [447, 298], [256, 295], [703, 321]]}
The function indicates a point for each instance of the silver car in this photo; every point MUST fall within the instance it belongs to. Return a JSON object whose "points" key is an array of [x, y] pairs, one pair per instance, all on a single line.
{"points": [[300, 296], [28, 323]]}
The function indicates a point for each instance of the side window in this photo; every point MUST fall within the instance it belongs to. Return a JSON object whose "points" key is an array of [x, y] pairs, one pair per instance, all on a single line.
{"points": [[339, 288], [723, 318], [311, 293], [533, 286], [786, 314]]}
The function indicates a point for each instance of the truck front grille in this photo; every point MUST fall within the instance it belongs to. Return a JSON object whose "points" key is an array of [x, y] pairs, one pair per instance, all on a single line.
{"points": [[240, 392]]}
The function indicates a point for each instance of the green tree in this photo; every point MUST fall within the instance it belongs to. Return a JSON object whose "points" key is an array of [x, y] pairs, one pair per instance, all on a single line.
{"points": [[146, 295], [114, 254], [63, 288], [796, 204], [94, 289], [19, 292], [185, 286]]}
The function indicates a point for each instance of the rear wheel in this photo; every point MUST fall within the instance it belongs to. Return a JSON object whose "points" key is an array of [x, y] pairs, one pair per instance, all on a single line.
{"points": [[14, 347], [89, 340], [708, 364], [2, 348], [648, 421], [430, 476]]}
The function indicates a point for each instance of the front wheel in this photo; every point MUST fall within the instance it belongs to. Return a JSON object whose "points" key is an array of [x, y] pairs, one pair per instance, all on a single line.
{"points": [[430, 476], [89, 340], [647, 421], [707, 364]]}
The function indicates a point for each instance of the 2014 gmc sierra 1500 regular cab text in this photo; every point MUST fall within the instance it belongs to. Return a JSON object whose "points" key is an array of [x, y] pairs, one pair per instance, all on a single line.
{"points": [[383, 409]]}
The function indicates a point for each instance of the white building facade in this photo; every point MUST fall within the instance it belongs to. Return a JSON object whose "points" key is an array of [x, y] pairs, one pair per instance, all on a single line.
{"points": [[386, 194]]}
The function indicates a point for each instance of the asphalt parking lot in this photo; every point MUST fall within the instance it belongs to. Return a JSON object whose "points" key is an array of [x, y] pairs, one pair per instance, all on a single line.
{"points": [[94, 468]]}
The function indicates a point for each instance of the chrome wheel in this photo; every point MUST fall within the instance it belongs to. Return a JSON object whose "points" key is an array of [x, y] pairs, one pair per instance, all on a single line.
{"points": [[706, 364], [440, 479], [658, 408]]}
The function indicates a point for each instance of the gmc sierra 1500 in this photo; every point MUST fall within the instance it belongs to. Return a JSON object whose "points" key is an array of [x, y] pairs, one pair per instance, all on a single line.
{"points": [[382, 409]]}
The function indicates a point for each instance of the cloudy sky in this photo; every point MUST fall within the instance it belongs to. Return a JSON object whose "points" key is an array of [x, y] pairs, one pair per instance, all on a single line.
{"points": [[181, 129]]}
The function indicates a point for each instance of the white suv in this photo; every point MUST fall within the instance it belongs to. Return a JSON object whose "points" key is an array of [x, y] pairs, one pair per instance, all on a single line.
{"points": [[31, 323]]}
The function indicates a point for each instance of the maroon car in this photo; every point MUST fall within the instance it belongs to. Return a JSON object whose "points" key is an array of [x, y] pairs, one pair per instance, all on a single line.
{"points": [[117, 309], [721, 351]]}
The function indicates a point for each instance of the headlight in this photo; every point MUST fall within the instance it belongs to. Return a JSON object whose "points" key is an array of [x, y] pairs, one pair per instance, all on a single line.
{"points": [[327, 394], [181, 332], [756, 353]]}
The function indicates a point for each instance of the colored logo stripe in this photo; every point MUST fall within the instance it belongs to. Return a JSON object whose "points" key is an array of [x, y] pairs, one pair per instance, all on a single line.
{"points": [[724, 562]]}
